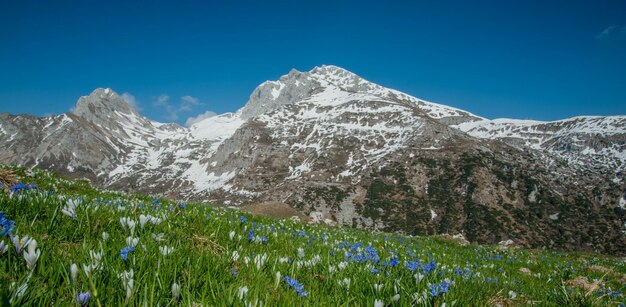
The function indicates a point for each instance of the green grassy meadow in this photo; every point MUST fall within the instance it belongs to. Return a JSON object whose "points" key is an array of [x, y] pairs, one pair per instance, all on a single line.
{"points": [[103, 248]]}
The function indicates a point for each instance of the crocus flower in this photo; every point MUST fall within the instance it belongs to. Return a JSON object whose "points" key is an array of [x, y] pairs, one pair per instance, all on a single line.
{"points": [[128, 281], [31, 255], [83, 298], [297, 286], [345, 283], [132, 241], [124, 252], [176, 291], [143, 219], [18, 187], [20, 243], [277, 279], [6, 226], [242, 292], [259, 261], [378, 287], [70, 209], [74, 272], [166, 250], [251, 235]]}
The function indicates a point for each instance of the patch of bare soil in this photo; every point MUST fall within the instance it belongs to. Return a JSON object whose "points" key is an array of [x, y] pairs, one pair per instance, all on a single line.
{"points": [[599, 268], [583, 283], [499, 301]]}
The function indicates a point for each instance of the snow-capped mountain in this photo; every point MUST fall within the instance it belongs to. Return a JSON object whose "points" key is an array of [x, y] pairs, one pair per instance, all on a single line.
{"points": [[332, 144], [583, 142]]}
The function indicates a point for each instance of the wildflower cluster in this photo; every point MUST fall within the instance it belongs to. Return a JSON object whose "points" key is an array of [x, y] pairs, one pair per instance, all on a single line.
{"points": [[6, 226], [297, 286], [436, 289]]}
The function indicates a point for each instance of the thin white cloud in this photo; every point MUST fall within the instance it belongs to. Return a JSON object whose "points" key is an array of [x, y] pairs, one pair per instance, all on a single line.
{"points": [[130, 99], [162, 100], [611, 31], [172, 110], [194, 119], [187, 103]]}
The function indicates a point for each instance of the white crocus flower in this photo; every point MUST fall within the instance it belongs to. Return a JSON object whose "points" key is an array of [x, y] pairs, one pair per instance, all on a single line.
{"points": [[259, 260], [242, 292], [300, 252], [96, 257], [166, 250], [131, 241], [3, 247], [158, 237], [87, 269], [143, 219], [277, 279], [344, 283], [231, 235], [131, 226], [378, 287], [418, 277], [70, 209], [69, 212], [74, 272], [128, 281], [235, 256], [105, 236], [156, 220], [123, 222], [396, 297], [379, 303], [175, 291], [20, 244], [31, 255], [331, 269]]}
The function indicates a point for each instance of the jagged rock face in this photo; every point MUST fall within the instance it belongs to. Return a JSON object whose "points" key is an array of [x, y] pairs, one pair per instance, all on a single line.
{"points": [[330, 142]]}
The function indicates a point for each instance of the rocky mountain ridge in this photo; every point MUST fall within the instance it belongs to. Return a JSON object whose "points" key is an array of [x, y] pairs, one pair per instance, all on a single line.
{"points": [[332, 144]]}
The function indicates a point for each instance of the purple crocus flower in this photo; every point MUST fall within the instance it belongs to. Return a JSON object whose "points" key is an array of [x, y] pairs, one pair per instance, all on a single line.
{"points": [[83, 298]]}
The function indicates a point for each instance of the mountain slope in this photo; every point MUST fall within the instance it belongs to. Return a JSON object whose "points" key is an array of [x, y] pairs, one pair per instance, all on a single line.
{"points": [[581, 141], [332, 144]]}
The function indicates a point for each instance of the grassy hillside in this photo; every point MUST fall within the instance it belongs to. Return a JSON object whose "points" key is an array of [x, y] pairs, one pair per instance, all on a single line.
{"points": [[102, 248]]}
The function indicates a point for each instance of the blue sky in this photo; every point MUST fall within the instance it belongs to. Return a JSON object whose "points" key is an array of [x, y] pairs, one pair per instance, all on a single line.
{"points": [[544, 60]]}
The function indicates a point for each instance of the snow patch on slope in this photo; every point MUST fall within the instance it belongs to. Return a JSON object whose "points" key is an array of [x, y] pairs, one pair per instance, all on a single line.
{"points": [[218, 127]]}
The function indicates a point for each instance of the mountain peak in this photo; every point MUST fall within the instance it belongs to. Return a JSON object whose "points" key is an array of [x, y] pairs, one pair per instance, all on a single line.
{"points": [[331, 70], [102, 92], [101, 100], [106, 108]]}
